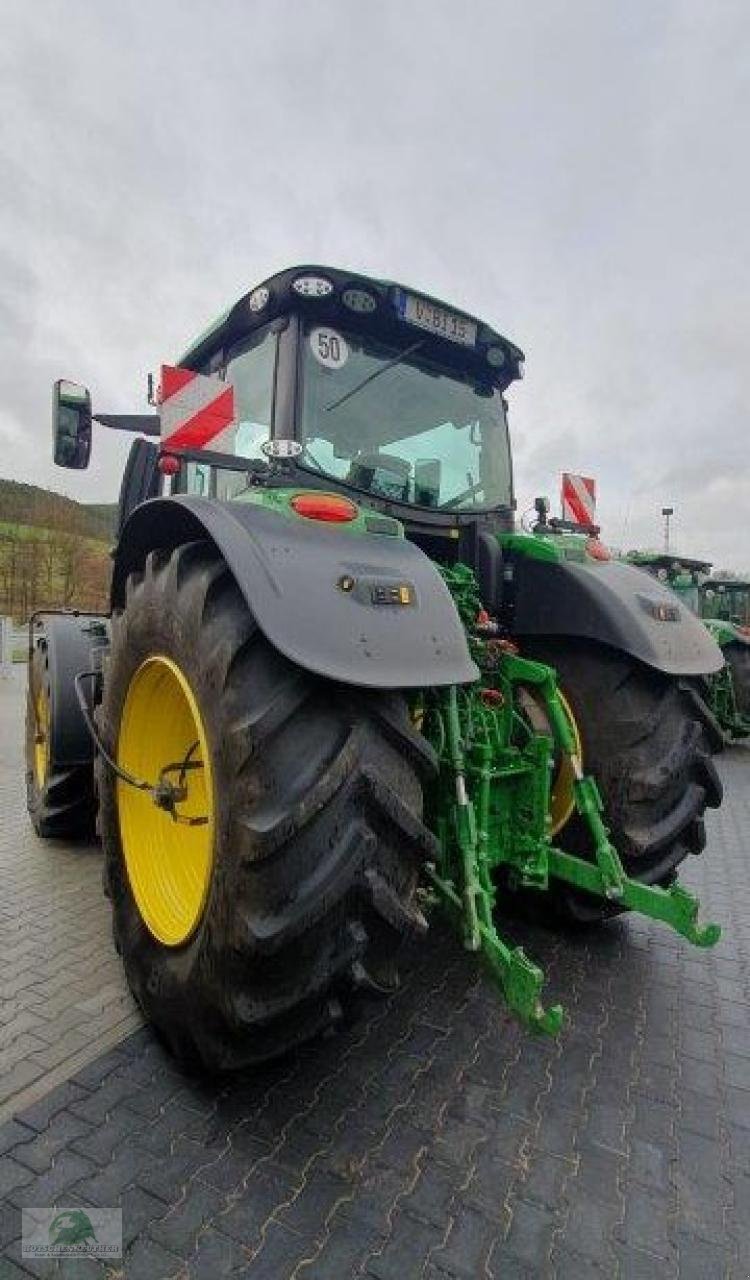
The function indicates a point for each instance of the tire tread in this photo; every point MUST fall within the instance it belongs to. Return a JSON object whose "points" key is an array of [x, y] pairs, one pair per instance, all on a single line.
{"points": [[322, 834]]}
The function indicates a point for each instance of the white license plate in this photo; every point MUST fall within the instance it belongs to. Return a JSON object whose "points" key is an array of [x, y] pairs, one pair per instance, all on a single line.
{"points": [[427, 315]]}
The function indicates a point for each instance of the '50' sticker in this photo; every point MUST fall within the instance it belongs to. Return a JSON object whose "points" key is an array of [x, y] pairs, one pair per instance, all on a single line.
{"points": [[329, 348]]}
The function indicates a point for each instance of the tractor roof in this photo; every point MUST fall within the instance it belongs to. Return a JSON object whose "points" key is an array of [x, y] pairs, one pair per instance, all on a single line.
{"points": [[666, 560], [741, 584], [333, 295]]}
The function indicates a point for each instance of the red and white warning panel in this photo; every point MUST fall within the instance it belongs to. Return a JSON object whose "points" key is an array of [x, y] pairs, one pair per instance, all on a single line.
{"points": [[196, 411], [578, 499]]}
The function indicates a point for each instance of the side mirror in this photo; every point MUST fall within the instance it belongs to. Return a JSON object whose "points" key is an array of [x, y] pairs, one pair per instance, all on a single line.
{"points": [[71, 425]]}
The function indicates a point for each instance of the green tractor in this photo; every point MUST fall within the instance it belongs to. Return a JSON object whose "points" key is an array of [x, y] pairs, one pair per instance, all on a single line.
{"points": [[338, 687], [724, 605], [725, 609]]}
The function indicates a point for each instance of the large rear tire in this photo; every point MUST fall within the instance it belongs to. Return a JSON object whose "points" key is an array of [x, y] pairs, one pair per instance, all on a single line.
{"points": [[316, 835], [649, 753], [59, 797]]}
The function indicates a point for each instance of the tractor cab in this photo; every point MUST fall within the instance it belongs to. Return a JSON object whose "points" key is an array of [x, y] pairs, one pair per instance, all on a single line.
{"points": [[727, 599], [345, 383], [383, 392], [684, 575]]}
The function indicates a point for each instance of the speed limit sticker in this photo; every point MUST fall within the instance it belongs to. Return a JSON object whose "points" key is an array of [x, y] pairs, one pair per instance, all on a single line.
{"points": [[329, 348]]}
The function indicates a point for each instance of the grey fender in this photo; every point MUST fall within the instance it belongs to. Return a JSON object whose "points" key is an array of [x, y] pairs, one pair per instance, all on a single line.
{"points": [[617, 605], [289, 570]]}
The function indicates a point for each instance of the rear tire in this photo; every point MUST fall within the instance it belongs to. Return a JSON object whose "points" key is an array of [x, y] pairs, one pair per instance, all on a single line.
{"points": [[60, 798], [318, 833], [650, 757]]}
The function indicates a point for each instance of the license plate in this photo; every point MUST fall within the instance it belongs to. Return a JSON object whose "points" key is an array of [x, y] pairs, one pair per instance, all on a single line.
{"points": [[428, 315]]}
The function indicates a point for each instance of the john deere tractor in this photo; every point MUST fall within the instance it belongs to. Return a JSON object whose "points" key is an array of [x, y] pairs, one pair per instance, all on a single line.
{"points": [[338, 688], [725, 609], [724, 605]]}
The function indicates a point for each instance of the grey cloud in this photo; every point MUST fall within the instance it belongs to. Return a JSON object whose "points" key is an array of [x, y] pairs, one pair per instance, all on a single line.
{"points": [[576, 174]]}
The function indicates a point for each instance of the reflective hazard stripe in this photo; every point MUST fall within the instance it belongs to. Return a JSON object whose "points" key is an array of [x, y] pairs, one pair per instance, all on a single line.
{"points": [[194, 409], [578, 498]]}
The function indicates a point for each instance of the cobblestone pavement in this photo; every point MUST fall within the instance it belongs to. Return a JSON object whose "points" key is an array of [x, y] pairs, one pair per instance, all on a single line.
{"points": [[435, 1138], [61, 986]]}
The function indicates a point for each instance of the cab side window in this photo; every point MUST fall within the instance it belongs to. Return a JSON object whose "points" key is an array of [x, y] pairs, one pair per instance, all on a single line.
{"points": [[250, 366]]}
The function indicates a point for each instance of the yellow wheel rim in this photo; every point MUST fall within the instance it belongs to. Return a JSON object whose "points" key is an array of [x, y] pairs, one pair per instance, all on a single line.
{"points": [[562, 796], [169, 863], [41, 738], [563, 801]]}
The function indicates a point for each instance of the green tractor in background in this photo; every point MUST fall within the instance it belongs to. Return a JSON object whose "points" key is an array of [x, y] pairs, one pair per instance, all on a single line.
{"points": [[338, 686], [724, 605], [725, 609]]}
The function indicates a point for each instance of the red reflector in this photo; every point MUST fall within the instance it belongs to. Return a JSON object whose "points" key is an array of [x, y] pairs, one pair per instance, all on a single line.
{"points": [[168, 464], [597, 550], [325, 506]]}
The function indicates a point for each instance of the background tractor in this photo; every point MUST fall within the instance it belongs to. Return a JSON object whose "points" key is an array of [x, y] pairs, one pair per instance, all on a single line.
{"points": [[338, 686], [724, 605], [725, 609]]}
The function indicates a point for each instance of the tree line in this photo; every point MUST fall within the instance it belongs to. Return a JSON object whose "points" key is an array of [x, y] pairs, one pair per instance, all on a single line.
{"points": [[54, 552], [31, 505], [50, 568]]}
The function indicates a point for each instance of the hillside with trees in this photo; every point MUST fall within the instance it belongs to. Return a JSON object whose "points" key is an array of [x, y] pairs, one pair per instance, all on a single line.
{"points": [[54, 552], [28, 504]]}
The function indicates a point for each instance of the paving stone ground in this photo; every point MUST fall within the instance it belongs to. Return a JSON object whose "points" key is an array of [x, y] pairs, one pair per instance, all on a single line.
{"points": [[432, 1139], [61, 986]]}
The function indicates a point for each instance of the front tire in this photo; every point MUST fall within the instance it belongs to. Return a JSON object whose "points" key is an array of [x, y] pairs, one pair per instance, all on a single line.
{"points": [[650, 757], [317, 836]]}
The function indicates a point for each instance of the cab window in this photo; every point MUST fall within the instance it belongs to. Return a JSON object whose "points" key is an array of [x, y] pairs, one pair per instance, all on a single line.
{"points": [[250, 367]]}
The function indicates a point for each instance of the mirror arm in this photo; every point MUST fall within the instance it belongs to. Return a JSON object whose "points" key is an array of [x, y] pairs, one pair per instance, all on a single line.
{"points": [[147, 423]]}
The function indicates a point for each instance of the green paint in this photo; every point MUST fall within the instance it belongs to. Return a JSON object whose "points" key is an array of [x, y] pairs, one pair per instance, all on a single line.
{"points": [[490, 809], [727, 599], [725, 633], [728, 627], [554, 548], [531, 547], [722, 699]]}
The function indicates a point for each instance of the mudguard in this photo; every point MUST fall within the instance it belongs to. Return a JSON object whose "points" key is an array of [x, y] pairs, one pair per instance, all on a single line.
{"points": [[65, 644], [617, 605], [329, 600]]}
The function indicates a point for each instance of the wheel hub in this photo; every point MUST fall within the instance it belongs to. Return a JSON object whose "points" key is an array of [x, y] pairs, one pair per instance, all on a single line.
{"points": [[168, 855]]}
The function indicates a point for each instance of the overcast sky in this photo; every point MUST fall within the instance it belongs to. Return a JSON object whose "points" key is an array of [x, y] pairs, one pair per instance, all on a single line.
{"points": [[576, 173]]}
